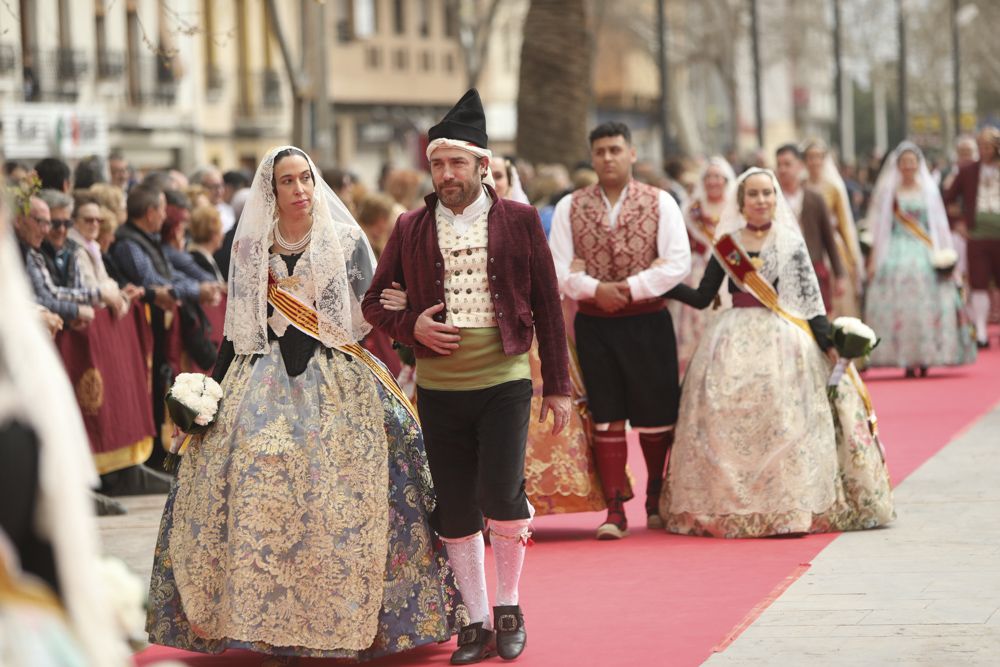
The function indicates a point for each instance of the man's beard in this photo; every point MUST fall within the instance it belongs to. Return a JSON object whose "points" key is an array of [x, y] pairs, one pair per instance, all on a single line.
{"points": [[465, 194]]}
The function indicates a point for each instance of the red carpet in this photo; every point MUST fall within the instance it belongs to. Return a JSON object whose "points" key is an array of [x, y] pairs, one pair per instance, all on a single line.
{"points": [[658, 599]]}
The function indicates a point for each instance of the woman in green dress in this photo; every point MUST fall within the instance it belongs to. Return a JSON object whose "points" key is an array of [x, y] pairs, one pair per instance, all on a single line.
{"points": [[915, 308]]}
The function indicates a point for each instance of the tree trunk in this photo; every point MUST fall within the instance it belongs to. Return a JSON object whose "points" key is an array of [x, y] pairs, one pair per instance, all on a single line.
{"points": [[555, 83], [296, 79]]}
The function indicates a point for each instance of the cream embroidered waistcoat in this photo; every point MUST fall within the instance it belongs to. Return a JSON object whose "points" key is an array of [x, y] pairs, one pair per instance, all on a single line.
{"points": [[466, 283]]}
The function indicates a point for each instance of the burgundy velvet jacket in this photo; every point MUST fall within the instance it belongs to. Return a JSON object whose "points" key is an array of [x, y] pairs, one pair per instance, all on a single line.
{"points": [[965, 187], [523, 284]]}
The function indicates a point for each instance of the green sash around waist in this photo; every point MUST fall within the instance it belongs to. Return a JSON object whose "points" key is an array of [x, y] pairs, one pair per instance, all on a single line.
{"points": [[478, 363]]}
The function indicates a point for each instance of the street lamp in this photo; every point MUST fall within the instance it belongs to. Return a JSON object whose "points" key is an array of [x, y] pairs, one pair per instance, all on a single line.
{"points": [[661, 61], [960, 17], [838, 77], [755, 46], [904, 118]]}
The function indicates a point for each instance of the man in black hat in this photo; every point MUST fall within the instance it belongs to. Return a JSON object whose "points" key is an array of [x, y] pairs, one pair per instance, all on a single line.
{"points": [[480, 283]]}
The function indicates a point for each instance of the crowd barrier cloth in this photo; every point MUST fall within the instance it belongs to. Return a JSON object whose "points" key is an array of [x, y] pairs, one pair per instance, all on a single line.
{"points": [[108, 364]]}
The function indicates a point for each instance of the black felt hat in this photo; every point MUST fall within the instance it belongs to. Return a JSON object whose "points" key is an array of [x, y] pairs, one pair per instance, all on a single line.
{"points": [[465, 122]]}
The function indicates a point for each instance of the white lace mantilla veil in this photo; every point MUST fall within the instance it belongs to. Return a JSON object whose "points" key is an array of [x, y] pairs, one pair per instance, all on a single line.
{"points": [[880, 216], [340, 259], [785, 256], [34, 390], [698, 195], [517, 192]]}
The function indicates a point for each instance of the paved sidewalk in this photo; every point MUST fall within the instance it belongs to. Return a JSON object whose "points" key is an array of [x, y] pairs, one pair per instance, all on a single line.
{"points": [[923, 591], [132, 537]]}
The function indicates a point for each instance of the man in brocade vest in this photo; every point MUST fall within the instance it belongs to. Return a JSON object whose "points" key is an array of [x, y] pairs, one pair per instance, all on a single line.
{"points": [[617, 247], [480, 286]]}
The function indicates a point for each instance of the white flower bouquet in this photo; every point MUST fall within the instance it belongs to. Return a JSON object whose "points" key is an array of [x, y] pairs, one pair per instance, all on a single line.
{"points": [[944, 261], [853, 339], [193, 402]]}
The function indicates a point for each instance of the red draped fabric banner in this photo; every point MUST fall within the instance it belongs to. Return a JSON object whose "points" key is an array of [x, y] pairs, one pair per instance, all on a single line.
{"points": [[108, 364]]}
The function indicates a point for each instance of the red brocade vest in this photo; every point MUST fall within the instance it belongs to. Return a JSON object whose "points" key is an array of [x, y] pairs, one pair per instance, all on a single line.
{"points": [[615, 254]]}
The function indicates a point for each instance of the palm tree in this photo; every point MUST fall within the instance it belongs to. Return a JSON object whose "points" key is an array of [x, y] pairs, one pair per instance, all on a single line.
{"points": [[554, 95]]}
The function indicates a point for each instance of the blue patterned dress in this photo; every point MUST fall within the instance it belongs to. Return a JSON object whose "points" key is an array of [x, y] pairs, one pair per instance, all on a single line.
{"points": [[299, 522], [917, 313]]}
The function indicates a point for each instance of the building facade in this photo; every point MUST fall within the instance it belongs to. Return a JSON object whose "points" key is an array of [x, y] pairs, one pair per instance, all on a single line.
{"points": [[182, 83]]}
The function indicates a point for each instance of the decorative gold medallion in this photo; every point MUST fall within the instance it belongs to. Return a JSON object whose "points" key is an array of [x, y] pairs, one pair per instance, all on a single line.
{"points": [[90, 391], [757, 262]]}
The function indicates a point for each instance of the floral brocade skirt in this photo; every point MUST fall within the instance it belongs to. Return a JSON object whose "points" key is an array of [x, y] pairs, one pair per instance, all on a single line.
{"points": [[298, 524], [760, 448], [559, 470]]}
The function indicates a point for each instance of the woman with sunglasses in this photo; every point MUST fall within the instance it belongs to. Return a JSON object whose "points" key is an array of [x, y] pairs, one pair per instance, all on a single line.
{"points": [[83, 235]]}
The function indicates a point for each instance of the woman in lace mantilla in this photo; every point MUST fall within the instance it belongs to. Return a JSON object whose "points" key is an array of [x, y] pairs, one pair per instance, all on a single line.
{"points": [[760, 449], [917, 310], [298, 523]]}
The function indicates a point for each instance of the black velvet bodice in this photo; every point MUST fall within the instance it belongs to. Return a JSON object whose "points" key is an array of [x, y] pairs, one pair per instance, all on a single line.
{"points": [[297, 348]]}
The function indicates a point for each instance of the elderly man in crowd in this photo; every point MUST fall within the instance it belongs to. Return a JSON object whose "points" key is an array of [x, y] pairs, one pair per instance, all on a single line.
{"points": [[59, 250], [121, 171], [140, 256], [74, 305], [211, 179]]}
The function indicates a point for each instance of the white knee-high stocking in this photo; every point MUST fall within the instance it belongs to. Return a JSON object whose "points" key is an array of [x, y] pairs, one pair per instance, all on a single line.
{"points": [[467, 556], [509, 540], [980, 302]]}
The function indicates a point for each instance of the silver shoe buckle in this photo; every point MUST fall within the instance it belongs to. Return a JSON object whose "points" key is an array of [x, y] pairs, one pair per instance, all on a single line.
{"points": [[507, 623]]}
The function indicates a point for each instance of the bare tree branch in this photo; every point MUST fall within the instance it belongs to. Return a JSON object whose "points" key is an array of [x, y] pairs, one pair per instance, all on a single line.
{"points": [[475, 31]]}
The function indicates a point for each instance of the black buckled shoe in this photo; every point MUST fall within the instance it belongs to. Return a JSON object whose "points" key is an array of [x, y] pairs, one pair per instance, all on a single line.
{"points": [[511, 637], [475, 643]]}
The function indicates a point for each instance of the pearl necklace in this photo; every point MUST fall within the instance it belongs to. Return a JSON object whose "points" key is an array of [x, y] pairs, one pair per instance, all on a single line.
{"points": [[292, 247]]}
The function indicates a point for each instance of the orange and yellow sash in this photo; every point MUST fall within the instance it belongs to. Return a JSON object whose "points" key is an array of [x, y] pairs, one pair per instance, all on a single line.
{"points": [[306, 319], [912, 225], [742, 271]]}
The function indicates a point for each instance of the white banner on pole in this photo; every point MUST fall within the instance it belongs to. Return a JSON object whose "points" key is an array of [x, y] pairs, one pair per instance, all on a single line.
{"points": [[33, 131]]}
